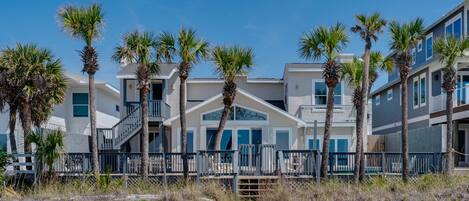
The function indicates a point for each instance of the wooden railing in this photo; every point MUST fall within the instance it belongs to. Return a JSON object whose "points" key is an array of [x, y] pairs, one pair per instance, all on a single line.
{"points": [[156, 108]]}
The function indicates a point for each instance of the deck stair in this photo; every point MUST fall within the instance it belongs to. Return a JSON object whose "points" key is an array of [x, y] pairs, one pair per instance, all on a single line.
{"points": [[127, 127], [254, 187]]}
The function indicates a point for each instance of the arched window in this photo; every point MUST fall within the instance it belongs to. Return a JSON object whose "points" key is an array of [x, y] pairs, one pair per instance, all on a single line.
{"points": [[237, 113]]}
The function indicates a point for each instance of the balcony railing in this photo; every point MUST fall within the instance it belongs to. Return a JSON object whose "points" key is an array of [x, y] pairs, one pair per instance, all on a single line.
{"points": [[156, 108], [342, 113], [460, 97]]}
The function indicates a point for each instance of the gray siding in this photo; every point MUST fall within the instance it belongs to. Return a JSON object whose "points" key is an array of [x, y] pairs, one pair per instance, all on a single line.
{"points": [[426, 139], [415, 125]]}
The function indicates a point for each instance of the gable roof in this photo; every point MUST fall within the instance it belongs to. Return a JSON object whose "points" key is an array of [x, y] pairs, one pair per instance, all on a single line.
{"points": [[240, 91], [128, 71]]}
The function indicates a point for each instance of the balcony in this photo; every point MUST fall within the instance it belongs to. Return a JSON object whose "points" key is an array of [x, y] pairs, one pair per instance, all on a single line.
{"points": [[157, 109], [460, 98], [342, 113]]}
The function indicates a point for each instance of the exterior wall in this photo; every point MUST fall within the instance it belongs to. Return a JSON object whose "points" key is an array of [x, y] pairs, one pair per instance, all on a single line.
{"points": [[432, 136], [77, 129], [275, 120], [300, 92]]}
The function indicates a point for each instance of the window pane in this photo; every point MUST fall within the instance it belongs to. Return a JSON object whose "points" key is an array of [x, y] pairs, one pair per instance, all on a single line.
{"points": [[422, 90], [429, 46], [80, 110], [320, 100], [282, 139], [342, 145], [3, 142], [338, 89], [313, 144], [226, 140], [80, 98], [243, 137], [332, 145], [216, 116], [190, 140], [256, 136], [416, 92], [337, 100], [246, 114], [210, 138], [449, 30], [457, 28], [320, 88]]}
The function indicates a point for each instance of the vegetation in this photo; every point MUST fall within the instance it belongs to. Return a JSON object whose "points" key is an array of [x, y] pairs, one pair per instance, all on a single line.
{"points": [[326, 43], [140, 48], [86, 23], [405, 37], [33, 83], [449, 50], [49, 147], [230, 62], [4, 161], [190, 49], [368, 27]]}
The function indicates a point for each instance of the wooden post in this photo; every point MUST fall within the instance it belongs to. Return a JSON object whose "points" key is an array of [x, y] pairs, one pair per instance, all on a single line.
{"points": [[124, 170], [198, 169], [318, 167], [383, 163], [235, 172]]}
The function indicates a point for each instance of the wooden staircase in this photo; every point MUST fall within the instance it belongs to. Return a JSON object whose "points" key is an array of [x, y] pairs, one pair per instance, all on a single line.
{"points": [[253, 187]]}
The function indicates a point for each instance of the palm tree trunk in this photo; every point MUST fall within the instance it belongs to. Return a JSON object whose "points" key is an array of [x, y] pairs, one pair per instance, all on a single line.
{"points": [[404, 128], [364, 106], [358, 155], [327, 131], [145, 134], [12, 126], [182, 114], [221, 126], [449, 133], [94, 138], [26, 123]]}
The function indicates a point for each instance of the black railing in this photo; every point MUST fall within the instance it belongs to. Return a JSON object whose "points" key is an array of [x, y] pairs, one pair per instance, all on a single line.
{"points": [[258, 160]]}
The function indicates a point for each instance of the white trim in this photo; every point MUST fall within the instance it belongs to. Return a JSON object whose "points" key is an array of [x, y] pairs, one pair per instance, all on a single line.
{"points": [[202, 81], [451, 21], [263, 81], [398, 123], [419, 46], [194, 138], [430, 35], [238, 122], [290, 135], [133, 76], [313, 92], [423, 76], [262, 102], [389, 94]]}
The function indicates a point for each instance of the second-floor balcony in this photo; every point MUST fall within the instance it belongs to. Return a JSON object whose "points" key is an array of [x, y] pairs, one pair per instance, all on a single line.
{"points": [[157, 109], [342, 113]]}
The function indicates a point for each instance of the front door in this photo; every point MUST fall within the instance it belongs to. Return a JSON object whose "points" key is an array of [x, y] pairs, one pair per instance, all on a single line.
{"points": [[156, 91]]}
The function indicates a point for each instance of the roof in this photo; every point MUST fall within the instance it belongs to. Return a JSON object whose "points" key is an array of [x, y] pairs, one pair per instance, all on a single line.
{"points": [[129, 70], [259, 100], [78, 80]]}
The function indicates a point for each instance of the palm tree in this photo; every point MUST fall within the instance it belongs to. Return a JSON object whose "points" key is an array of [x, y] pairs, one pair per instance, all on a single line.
{"points": [[86, 23], [35, 83], [49, 147], [368, 27], [325, 43], [190, 49], [405, 37], [230, 62], [139, 48], [8, 97], [353, 73], [449, 50]]}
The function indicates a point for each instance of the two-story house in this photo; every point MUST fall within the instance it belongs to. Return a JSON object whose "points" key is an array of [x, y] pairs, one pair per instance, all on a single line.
{"points": [[426, 98], [72, 116], [266, 111]]}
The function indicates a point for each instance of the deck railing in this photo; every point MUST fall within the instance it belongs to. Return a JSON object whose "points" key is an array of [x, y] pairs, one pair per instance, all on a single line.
{"points": [[261, 161], [156, 108]]}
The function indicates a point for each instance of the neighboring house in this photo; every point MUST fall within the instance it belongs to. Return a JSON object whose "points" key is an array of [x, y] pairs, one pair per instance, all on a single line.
{"points": [[426, 98], [265, 111], [73, 115]]}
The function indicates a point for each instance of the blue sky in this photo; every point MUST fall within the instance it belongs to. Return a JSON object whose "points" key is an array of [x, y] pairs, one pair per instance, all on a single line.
{"points": [[271, 28]]}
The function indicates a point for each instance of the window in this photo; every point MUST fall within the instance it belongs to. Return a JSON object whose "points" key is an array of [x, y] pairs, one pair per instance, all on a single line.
{"points": [[453, 27], [389, 94], [419, 91], [3, 142], [429, 46], [377, 99], [415, 92], [249, 136], [423, 93], [414, 56], [237, 113], [313, 144], [80, 104], [400, 93], [341, 146], [190, 140], [282, 139], [320, 93], [226, 139], [419, 46], [117, 108]]}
